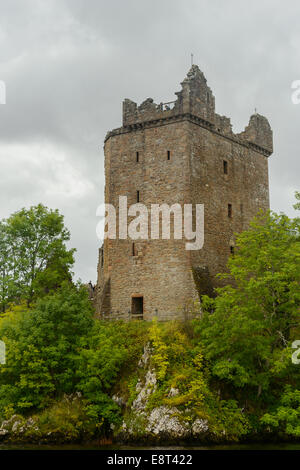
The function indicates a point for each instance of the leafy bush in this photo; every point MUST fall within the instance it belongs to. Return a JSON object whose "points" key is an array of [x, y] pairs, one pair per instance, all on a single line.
{"points": [[104, 352], [246, 331], [42, 347], [64, 421], [285, 419]]}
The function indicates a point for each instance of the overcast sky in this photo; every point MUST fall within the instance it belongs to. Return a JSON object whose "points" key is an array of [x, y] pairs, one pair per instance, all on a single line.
{"points": [[68, 64]]}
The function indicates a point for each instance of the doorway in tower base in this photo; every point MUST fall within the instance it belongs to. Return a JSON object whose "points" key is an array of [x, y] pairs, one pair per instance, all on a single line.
{"points": [[137, 307]]}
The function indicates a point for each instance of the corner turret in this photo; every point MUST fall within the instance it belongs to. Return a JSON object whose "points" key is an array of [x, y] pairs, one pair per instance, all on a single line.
{"points": [[258, 132]]}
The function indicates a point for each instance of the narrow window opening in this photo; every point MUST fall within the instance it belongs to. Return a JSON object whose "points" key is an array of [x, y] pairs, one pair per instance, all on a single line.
{"points": [[225, 167], [168, 155], [232, 250], [137, 196], [137, 306], [230, 210], [133, 249], [137, 157]]}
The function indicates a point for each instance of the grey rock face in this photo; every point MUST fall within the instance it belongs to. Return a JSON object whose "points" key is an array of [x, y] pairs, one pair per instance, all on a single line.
{"points": [[145, 359], [145, 391], [165, 421], [200, 426]]}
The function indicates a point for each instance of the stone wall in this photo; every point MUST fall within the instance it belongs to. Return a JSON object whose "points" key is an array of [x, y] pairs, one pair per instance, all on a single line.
{"points": [[244, 186], [160, 269]]}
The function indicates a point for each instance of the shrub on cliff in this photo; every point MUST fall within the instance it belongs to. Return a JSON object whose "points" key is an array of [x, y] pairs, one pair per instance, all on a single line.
{"points": [[183, 382], [108, 353]]}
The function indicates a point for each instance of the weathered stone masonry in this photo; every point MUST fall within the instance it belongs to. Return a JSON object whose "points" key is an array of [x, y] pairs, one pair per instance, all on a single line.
{"points": [[180, 152]]}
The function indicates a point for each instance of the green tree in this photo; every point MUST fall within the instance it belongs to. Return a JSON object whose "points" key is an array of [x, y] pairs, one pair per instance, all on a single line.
{"points": [[297, 204], [33, 253], [43, 346], [104, 352], [285, 419], [6, 277], [254, 319]]}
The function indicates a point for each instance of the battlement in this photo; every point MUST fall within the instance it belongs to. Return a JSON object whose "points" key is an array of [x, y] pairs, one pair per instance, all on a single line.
{"points": [[195, 101], [194, 98]]}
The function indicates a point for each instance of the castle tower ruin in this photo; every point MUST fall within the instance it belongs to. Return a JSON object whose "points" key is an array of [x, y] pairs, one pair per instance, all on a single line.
{"points": [[181, 152]]}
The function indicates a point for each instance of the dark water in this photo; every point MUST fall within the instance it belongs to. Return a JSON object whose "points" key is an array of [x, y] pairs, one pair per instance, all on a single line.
{"points": [[260, 446]]}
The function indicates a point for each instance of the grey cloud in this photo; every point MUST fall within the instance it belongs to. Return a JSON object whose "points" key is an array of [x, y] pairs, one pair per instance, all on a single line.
{"points": [[68, 64]]}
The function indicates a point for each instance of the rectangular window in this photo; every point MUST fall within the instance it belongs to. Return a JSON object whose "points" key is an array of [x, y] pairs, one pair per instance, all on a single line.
{"points": [[137, 196], [168, 155], [133, 249], [225, 167], [137, 306], [137, 157], [230, 210], [232, 250]]}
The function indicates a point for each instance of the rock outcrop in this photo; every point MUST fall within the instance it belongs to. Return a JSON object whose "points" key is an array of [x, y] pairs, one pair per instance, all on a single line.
{"points": [[161, 423]]}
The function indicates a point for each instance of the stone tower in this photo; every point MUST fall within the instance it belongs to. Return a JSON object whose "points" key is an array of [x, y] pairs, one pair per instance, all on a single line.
{"points": [[179, 152]]}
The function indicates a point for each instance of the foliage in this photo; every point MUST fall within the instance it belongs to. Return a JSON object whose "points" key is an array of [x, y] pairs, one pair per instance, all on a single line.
{"points": [[246, 326], [285, 419], [9, 288], [104, 352], [34, 259], [228, 420], [184, 383], [230, 367], [43, 346], [132, 389], [159, 356], [297, 204], [65, 420]]}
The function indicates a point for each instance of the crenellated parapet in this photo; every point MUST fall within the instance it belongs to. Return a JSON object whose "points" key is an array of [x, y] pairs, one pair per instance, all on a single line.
{"points": [[148, 111], [223, 125], [195, 98], [195, 102]]}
